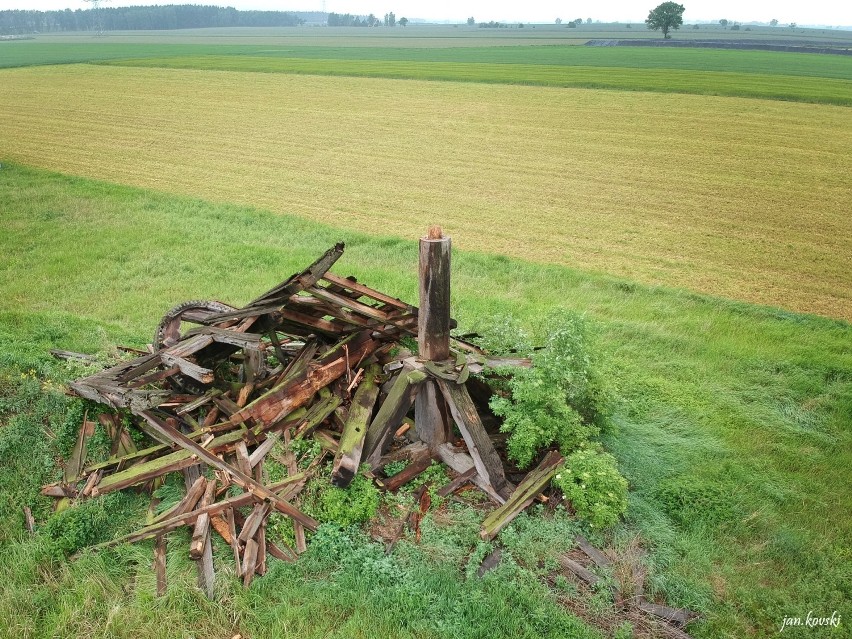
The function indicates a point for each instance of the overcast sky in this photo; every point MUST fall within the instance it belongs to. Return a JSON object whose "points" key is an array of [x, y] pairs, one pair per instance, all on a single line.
{"points": [[823, 12]]}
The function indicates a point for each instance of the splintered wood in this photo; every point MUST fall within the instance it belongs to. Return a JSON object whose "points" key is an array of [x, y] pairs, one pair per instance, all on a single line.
{"points": [[318, 356]]}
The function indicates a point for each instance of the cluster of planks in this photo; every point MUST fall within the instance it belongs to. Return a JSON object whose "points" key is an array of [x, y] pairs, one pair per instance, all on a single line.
{"points": [[317, 356]]}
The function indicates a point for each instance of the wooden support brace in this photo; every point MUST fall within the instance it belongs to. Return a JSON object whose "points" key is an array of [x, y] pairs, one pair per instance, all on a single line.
{"points": [[348, 456], [391, 414]]}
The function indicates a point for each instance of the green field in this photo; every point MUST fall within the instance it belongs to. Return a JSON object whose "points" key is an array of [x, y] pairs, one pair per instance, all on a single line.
{"points": [[740, 408], [172, 169]]}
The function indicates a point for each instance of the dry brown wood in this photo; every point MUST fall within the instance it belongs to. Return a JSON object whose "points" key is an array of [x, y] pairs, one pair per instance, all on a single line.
{"points": [[490, 562], [460, 480], [201, 532], [232, 539], [259, 453], [75, 463], [253, 522], [243, 462], [261, 549], [188, 518], [151, 378], [352, 284], [292, 469]]}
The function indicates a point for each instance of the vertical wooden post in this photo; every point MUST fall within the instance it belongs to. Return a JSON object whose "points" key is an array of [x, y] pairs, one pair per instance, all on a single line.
{"points": [[433, 321], [433, 333]]}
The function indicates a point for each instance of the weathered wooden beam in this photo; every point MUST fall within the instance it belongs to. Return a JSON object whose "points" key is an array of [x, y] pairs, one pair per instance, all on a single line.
{"points": [[348, 456], [601, 560], [460, 480], [78, 455], [249, 562], [292, 469], [253, 521], [523, 496], [190, 369], [391, 414], [295, 392], [431, 416], [417, 465], [677, 616], [29, 520], [578, 569], [240, 478], [488, 464], [202, 525], [462, 463], [193, 495], [433, 319], [350, 283]]}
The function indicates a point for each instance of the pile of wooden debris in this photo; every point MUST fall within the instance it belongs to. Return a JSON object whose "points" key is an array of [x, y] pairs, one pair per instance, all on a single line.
{"points": [[318, 356]]}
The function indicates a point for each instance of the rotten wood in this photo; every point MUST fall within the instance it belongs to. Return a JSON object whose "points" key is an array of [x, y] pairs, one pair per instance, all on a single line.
{"points": [[433, 319], [390, 414], [523, 495], [349, 451]]}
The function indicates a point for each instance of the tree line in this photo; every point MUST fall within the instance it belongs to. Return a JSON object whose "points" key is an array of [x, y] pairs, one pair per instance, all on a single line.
{"points": [[184, 16], [349, 20]]}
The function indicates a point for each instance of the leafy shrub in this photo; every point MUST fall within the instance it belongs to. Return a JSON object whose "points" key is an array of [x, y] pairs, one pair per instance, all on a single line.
{"points": [[559, 399], [343, 506], [90, 522], [591, 481]]}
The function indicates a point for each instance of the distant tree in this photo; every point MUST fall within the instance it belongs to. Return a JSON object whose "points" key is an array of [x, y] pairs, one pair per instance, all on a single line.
{"points": [[695, 26], [578, 21], [773, 22], [723, 22], [588, 21], [403, 21], [558, 20], [735, 27], [471, 21], [372, 20], [520, 25], [668, 15], [793, 25], [572, 25], [390, 19]]}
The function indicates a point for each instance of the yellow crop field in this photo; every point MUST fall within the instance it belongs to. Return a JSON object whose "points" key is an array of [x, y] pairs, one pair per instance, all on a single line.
{"points": [[744, 198]]}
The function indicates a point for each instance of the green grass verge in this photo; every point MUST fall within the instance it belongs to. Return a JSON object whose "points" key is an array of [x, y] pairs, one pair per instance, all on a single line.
{"points": [[752, 85], [732, 424]]}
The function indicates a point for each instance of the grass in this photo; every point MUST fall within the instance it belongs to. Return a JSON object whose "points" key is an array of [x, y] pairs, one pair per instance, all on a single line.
{"points": [[688, 191], [751, 85], [29, 53], [732, 428]]}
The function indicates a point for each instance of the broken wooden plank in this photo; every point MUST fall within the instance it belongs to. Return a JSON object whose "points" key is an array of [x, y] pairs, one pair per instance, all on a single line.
{"points": [[202, 525], [488, 464], [292, 394], [249, 562], [167, 525], [348, 456], [160, 548], [240, 478], [193, 495], [460, 480], [417, 466], [391, 414], [462, 463], [292, 469], [190, 369], [579, 570], [523, 496], [490, 562], [78, 455], [253, 522], [66, 355], [677, 616], [352, 284], [261, 451], [601, 560]]}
